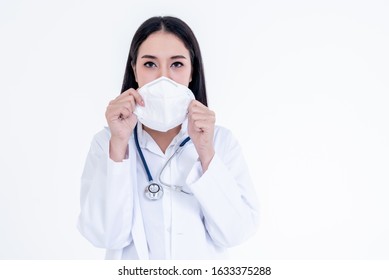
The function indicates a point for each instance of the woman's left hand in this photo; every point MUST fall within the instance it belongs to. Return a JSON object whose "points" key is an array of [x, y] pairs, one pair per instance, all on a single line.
{"points": [[201, 127]]}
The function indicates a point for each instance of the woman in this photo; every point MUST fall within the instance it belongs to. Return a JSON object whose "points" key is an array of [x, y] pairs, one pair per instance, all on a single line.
{"points": [[163, 182]]}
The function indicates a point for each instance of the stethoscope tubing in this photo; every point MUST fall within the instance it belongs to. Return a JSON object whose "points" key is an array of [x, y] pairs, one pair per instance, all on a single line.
{"points": [[147, 170], [149, 177], [174, 187]]}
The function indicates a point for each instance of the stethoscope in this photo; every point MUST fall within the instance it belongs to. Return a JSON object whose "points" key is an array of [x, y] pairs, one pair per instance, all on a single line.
{"points": [[154, 191]]}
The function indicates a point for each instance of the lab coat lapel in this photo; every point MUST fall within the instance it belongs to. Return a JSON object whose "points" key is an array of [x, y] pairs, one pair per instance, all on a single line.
{"points": [[138, 231]]}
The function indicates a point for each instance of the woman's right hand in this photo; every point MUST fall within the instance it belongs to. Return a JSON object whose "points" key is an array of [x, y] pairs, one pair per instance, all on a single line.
{"points": [[121, 121]]}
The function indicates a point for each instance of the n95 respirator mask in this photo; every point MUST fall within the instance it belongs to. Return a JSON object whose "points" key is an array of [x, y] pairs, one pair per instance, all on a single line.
{"points": [[166, 104]]}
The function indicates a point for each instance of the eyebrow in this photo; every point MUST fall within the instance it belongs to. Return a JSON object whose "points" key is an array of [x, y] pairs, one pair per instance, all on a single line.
{"points": [[154, 57], [178, 56]]}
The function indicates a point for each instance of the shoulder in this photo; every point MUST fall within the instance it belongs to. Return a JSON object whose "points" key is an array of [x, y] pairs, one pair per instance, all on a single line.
{"points": [[221, 131], [224, 137], [103, 135], [227, 146], [101, 139]]}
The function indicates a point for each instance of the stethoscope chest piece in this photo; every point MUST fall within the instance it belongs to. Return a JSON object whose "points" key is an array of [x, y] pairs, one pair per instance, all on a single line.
{"points": [[154, 191]]}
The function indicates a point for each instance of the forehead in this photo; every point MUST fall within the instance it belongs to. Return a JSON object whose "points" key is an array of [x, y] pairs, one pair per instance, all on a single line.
{"points": [[163, 44]]}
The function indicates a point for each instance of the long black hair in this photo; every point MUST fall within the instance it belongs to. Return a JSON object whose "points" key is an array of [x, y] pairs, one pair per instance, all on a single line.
{"points": [[180, 29]]}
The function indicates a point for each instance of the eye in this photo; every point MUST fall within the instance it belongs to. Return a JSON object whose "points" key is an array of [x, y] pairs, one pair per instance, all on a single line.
{"points": [[177, 64], [149, 64]]}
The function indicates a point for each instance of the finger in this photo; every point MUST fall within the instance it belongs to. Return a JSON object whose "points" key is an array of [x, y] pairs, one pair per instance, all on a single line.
{"points": [[129, 101], [119, 115], [132, 93], [137, 96], [196, 106], [197, 111], [125, 100], [203, 126], [196, 103], [118, 110], [201, 116]]}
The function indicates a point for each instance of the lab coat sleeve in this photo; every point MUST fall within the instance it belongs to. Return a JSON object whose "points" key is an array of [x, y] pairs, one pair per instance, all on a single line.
{"points": [[106, 197], [226, 193]]}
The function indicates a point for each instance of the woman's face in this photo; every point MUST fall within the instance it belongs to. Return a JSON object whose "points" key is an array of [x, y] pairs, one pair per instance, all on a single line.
{"points": [[163, 54]]}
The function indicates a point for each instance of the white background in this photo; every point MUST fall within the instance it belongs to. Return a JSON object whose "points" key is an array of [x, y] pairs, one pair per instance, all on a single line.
{"points": [[302, 84]]}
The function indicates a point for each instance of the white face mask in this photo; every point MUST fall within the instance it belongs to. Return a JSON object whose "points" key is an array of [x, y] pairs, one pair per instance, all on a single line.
{"points": [[166, 104]]}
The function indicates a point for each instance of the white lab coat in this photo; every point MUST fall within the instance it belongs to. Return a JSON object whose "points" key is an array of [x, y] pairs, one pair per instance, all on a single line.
{"points": [[222, 212]]}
